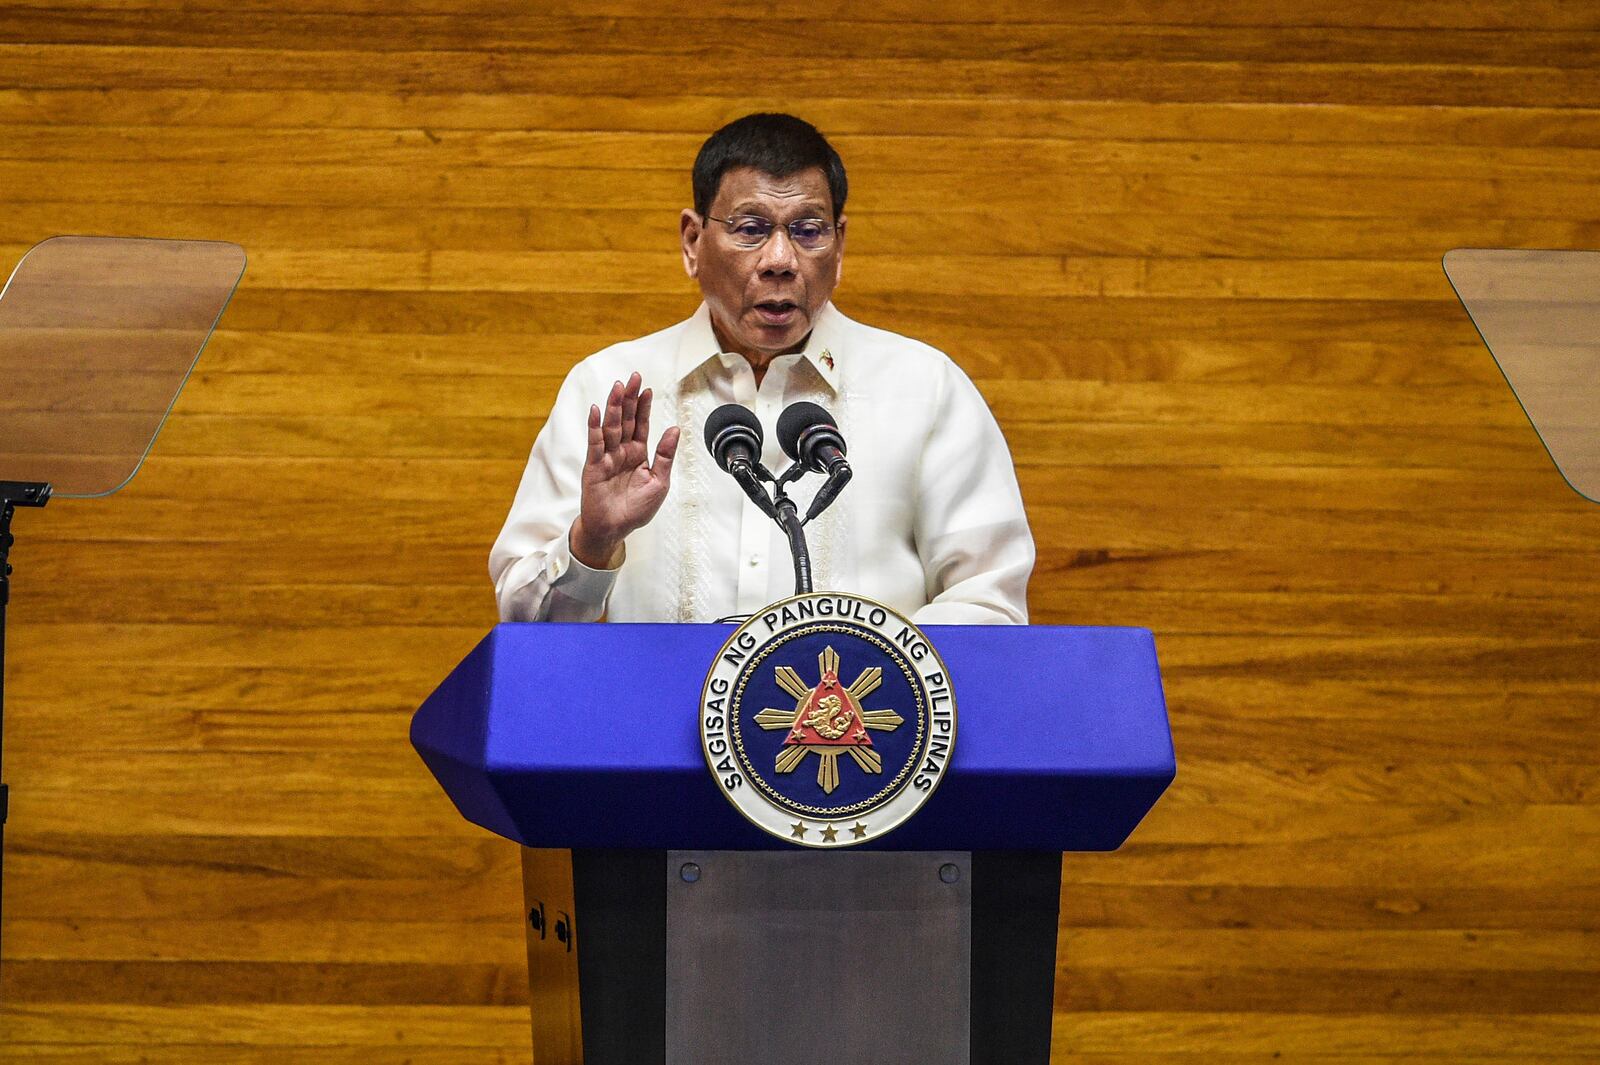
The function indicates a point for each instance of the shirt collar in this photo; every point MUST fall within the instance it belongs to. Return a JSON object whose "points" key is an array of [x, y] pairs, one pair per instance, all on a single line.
{"points": [[698, 344]]}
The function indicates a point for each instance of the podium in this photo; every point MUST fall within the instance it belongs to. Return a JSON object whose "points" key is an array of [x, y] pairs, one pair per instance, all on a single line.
{"points": [[663, 927]]}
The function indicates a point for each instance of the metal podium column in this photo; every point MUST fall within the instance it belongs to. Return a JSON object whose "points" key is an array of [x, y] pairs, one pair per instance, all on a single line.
{"points": [[645, 957]]}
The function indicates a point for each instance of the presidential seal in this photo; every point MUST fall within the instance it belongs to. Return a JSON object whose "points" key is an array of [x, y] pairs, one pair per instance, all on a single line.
{"points": [[827, 719]]}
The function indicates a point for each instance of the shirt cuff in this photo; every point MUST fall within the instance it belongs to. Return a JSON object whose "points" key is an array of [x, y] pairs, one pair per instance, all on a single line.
{"points": [[578, 582]]}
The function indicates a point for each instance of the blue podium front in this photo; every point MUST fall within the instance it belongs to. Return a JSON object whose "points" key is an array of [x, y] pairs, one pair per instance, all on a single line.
{"points": [[585, 738], [581, 736]]}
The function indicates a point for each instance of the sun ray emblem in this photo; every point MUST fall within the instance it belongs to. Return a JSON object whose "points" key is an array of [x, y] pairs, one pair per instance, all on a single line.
{"points": [[828, 720]]}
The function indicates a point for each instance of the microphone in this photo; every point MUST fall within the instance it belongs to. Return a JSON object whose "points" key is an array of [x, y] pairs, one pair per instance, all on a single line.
{"points": [[733, 436], [810, 437]]}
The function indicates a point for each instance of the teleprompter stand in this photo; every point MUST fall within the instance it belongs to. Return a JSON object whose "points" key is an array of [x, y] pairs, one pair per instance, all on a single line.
{"points": [[664, 928], [97, 336], [13, 494]]}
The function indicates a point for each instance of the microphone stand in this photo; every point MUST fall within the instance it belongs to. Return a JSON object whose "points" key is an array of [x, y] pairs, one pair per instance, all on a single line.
{"points": [[781, 509], [13, 494], [788, 519]]}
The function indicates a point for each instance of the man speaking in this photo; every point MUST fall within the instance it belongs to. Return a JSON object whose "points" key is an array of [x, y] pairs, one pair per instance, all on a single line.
{"points": [[635, 525]]}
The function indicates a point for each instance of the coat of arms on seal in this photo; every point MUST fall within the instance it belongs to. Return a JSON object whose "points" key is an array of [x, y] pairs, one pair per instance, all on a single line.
{"points": [[777, 702]]}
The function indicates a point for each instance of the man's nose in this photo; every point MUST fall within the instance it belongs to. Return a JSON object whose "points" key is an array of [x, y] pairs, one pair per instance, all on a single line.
{"points": [[778, 255]]}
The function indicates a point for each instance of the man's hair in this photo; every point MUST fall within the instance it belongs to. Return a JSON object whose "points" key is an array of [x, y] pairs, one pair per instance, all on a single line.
{"points": [[779, 145]]}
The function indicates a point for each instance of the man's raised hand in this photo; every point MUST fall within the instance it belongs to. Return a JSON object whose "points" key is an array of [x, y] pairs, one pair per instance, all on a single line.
{"points": [[620, 492]]}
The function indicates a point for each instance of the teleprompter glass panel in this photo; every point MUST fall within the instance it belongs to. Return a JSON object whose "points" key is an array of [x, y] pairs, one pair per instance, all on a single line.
{"points": [[1539, 314], [97, 336]]}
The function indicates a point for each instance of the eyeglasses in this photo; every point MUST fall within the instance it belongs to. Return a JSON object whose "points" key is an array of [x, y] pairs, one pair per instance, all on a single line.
{"points": [[751, 231]]}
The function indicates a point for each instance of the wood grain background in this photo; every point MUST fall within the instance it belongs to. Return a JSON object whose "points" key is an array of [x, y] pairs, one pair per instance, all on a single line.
{"points": [[1190, 252]]}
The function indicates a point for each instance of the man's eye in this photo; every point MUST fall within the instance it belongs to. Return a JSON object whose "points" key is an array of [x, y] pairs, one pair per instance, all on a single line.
{"points": [[751, 227], [806, 231]]}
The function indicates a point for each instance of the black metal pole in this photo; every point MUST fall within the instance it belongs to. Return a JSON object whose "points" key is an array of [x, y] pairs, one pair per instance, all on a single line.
{"points": [[13, 494], [793, 527]]}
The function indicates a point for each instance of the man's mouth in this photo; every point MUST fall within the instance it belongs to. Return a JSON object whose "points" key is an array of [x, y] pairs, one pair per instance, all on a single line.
{"points": [[777, 312]]}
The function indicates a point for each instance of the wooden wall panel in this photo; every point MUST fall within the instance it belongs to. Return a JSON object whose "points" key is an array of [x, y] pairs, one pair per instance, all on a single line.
{"points": [[1188, 250]]}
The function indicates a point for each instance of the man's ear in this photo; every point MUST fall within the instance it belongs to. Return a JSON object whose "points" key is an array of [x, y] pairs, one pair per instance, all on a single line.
{"points": [[689, 233], [838, 256]]}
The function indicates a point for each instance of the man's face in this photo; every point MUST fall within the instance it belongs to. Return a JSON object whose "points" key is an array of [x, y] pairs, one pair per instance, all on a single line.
{"points": [[763, 300]]}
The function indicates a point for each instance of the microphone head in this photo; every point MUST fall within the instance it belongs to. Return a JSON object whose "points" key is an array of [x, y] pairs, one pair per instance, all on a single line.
{"points": [[730, 425], [801, 427]]}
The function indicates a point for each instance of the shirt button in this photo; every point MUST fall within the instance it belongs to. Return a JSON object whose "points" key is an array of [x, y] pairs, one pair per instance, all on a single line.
{"points": [[755, 560]]}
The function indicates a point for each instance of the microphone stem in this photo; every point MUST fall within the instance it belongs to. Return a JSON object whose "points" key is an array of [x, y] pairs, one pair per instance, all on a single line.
{"points": [[789, 521], [750, 481]]}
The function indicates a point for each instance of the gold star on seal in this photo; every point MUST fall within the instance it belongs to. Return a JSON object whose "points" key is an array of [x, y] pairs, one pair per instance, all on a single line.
{"points": [[858, 830], [798, 830], [829, 835]]}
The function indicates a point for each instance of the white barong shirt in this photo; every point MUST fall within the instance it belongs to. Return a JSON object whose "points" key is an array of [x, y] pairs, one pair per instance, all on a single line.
{"points": [[932, 524]]}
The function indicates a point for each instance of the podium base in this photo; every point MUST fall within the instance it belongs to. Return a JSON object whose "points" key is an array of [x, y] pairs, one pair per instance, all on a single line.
{"points": [[713, 957]]}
